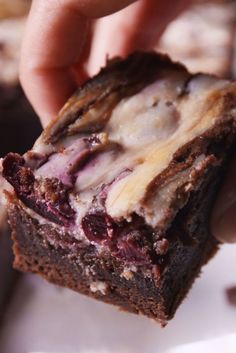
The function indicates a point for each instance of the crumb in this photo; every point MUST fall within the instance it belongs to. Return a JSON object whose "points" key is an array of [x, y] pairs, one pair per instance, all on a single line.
{"points": [[99, 286]]}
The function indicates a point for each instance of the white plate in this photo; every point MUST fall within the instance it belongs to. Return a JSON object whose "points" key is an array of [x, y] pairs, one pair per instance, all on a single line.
{"points": [[45, 318], [224, 344]]}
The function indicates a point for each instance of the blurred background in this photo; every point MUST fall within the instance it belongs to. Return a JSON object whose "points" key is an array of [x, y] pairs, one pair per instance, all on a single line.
{"points": [[38, 317], [19, 126]]}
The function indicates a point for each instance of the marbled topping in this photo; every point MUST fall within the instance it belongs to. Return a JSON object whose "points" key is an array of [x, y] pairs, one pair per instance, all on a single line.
{"points": [[143, 133], [152, 133]]}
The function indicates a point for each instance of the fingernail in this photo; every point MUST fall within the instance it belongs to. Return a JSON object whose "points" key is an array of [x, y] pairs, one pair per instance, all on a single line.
{"points": [[224, 220]]}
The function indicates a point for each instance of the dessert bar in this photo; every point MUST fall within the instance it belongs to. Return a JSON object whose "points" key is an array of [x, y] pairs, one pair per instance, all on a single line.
{"points": [[114, 199]]}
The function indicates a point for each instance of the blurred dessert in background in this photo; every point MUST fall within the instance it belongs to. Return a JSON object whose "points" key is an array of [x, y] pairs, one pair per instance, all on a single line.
{"points": [[203, 37], [13, 8], [15, 110], [11, 32]]}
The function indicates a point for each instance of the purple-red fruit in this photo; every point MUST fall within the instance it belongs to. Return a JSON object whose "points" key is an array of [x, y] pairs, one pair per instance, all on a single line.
{"points": [[98, 227]]}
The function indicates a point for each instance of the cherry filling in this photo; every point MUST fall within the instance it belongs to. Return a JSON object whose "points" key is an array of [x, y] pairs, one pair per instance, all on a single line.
{"points": [[47, 197], [130, 250], [47, 193], [98, 227], [124, 240]]}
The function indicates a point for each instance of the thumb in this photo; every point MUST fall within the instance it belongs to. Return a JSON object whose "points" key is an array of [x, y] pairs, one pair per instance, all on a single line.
{"points": [[223, 223]]}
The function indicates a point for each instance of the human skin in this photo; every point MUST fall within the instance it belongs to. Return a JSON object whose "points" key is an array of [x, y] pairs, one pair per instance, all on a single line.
{"points": [[58, 39], [66, 40]]}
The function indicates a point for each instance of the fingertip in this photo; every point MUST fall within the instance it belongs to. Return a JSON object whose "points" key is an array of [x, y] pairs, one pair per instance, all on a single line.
{"points": [[53, 43], [47, 89], [137, 27]]}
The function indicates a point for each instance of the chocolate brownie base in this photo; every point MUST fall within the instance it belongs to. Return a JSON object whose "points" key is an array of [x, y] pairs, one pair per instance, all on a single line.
{"points": [[114, 199], [130, 291]]}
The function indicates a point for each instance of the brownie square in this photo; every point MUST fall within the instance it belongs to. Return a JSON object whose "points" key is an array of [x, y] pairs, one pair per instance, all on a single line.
{"points": [[114, 199]]}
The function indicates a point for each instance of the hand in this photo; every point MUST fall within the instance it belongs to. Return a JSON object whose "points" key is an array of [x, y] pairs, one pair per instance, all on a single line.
{"points": [[61, 42]]}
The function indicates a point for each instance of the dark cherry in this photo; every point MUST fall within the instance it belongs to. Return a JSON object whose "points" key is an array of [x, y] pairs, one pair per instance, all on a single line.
{"points": [[124, 242], [131, 251], [98, 227]]}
